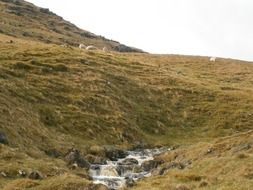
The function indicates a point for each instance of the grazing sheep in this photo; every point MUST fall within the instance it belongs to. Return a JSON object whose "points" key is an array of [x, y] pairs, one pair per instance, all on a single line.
{"points": [[64, 45], [82, 46], [105, 49], [91, 48], [212, 59]]}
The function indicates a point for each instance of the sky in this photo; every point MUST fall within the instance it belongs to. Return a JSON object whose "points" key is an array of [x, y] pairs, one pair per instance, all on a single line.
{"points": [[222, 28]]}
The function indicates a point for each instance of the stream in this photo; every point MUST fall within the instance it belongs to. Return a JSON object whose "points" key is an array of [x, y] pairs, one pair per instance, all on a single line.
{"points": [[124, 171]]}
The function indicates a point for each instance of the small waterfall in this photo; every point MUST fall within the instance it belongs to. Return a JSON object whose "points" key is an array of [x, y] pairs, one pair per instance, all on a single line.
{"points": [[115, 174], [108, 170]]}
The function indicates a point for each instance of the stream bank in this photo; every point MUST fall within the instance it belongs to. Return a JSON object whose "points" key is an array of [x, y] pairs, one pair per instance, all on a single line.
{"points": [[124, 169]]}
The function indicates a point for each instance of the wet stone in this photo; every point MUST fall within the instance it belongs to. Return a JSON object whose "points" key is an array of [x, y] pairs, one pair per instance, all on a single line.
{"points": [[129, 161], [73, 157], [124, 168], [114, 154], [3, 138], [151, 164]]}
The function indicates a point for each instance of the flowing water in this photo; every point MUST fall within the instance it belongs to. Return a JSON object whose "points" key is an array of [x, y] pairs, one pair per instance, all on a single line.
{"points": [[116, 174]]}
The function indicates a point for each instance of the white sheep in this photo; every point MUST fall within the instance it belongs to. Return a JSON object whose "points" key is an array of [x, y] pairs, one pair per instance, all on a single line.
{"points": [[212, 59], [82, 46], [105, 49], [64, 45], [91, 48]]}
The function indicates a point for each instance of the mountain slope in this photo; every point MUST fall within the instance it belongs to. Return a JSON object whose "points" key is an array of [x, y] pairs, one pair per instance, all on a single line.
{"points": [[24, 20], [54, 98], [132, 96]]}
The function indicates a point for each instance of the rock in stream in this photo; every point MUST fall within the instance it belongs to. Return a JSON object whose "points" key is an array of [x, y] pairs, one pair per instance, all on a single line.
{"points": [[125, 168]]}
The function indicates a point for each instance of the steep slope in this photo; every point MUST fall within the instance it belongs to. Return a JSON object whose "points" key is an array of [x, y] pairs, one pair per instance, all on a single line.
{"points": [[53, 98], [128, 97], [24, 20]]}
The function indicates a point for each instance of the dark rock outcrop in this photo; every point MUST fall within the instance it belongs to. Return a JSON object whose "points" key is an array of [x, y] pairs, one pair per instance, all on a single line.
{"points": [[97, 187], [171, 165], [3, 138], [122, 169], [130, 182], [124, 48], [74, 157], [53, 153], [36, 175], [151, 164], [129, 161], [95, 159], [114, 154]]}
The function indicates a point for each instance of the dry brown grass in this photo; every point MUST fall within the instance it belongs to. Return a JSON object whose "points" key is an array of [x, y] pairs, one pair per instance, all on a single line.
{"points": [[27, 21], [55, 98], [227, 166]]}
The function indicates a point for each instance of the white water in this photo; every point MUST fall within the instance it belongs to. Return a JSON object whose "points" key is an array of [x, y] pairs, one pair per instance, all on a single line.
{"points": [[110, 176]]}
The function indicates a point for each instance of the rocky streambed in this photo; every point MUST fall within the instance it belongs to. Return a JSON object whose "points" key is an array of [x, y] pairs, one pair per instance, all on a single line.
{"points": [[126, 168]]}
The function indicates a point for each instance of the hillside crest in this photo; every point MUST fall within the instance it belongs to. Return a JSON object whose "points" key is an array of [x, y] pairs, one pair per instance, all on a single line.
{"points": [[24, 20]]}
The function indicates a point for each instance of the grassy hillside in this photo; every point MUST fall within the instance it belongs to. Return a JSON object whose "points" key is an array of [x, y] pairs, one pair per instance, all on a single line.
{"points": [[225, 163], [55, 98], [86, 94], [24, 20]]}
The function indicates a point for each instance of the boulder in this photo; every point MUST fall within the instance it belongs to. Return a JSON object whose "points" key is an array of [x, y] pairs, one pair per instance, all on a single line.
{"points": [[242, 147], [3, 138], [172, 165], [74, 157], [129, 161], [53, 153], [95, 159], [36, 175], [136, 175], [97, 187], [95, 167], [130, 182], [109, 171], [203, 184], [151, 164], [125, 169], [124, 48], [114, 154]]}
